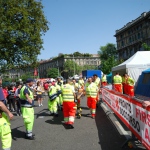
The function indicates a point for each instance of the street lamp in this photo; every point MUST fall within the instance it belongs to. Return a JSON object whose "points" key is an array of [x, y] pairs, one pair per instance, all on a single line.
{"points": [[74, 64], [58, 68]]}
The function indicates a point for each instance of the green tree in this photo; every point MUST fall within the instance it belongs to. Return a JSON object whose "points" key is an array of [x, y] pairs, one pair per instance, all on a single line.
{"points": [[26, 75], [71, 67], [146, 47], [22, 25], [52, 73], [88, 67], [109, 57]]}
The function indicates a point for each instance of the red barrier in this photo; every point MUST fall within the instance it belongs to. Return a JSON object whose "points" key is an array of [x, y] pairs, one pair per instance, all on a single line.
{"points": [[132, 114]]}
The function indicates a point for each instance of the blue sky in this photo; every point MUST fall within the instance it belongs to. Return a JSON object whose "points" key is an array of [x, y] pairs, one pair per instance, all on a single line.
{"points": [[86, 25]]}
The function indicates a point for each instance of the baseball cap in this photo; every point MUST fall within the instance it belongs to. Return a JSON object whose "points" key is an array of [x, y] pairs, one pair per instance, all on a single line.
{"points": [[29, 80]]}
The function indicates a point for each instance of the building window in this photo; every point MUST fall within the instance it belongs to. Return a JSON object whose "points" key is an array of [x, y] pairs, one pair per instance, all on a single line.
{"points": [[122, 43], [129, 32], [139, 35], [133, 38], [130, 40]]}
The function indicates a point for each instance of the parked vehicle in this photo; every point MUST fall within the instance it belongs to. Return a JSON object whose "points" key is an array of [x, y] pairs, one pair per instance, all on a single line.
{"points": [[90, 73]]}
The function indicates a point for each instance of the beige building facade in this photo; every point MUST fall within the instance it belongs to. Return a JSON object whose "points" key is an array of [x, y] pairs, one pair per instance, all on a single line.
{"points": [[58, 62]]}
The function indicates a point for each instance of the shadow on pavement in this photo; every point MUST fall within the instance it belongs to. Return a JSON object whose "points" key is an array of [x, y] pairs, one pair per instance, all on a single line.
{"points": [[85, 108], [109, 137], [56, 120], [44, 112], [16, 133]]}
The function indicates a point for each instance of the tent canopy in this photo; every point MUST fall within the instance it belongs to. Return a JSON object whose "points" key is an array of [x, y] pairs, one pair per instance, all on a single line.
{"points": [[134, 66], [143, 86]]}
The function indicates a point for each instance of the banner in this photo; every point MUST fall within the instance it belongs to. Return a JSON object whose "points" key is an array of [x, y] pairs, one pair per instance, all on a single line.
{"points": [[130, 111]]}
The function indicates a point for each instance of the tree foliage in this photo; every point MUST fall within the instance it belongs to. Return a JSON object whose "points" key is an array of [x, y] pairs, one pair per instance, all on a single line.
{"points": [[109, 57], [146, 47], [88, 67], [52, 73], [72, 67], [22, 25], [27, 75]]}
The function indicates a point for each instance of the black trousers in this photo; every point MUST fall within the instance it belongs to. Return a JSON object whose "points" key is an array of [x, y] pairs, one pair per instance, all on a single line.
{"points": [[11, 102], [18, 103]]}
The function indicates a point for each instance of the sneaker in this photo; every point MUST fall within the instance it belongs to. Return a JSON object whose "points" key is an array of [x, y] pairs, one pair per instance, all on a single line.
{"points": [[93, 117], [51, 114], [56, 115], [30, 137], [70, 126], [41, 104]]}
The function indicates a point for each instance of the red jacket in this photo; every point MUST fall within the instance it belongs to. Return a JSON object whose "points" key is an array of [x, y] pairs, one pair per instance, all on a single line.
{"points": [[5, 93]]}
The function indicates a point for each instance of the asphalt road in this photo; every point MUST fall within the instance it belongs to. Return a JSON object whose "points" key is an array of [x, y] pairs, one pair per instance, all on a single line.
{"points": [[88, 134]]}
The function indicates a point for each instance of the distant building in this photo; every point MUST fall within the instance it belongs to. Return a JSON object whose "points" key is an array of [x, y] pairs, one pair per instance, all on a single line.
{"points": [[131, 37], [57, 62]]}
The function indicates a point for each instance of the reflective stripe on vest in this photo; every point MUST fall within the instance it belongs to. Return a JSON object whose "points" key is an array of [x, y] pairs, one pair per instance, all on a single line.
{"points": [[130, 81], [67, 93], [117, 79], [97, 81], [53, 90], [91, 90]]}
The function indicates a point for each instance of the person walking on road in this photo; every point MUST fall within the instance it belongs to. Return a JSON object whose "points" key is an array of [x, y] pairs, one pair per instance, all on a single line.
{"points": [[91, 90], [59, 84], [117, 83], [5, 131], [97, 81], [69, 106], [27, 101], [53, 99]]}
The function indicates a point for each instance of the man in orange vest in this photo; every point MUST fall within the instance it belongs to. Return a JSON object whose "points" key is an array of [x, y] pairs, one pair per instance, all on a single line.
{"points": [[117, 83]]}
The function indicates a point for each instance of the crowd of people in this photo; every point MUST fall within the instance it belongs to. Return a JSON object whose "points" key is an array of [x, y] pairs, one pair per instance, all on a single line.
{"points": [[62, 95]]}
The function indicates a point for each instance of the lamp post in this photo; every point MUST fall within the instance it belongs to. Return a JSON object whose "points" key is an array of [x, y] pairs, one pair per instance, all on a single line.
{"points": [[74, 64], [58, 68]]}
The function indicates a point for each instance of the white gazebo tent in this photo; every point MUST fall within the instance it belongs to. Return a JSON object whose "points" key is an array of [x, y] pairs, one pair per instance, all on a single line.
{"points": [[134, 66]]}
